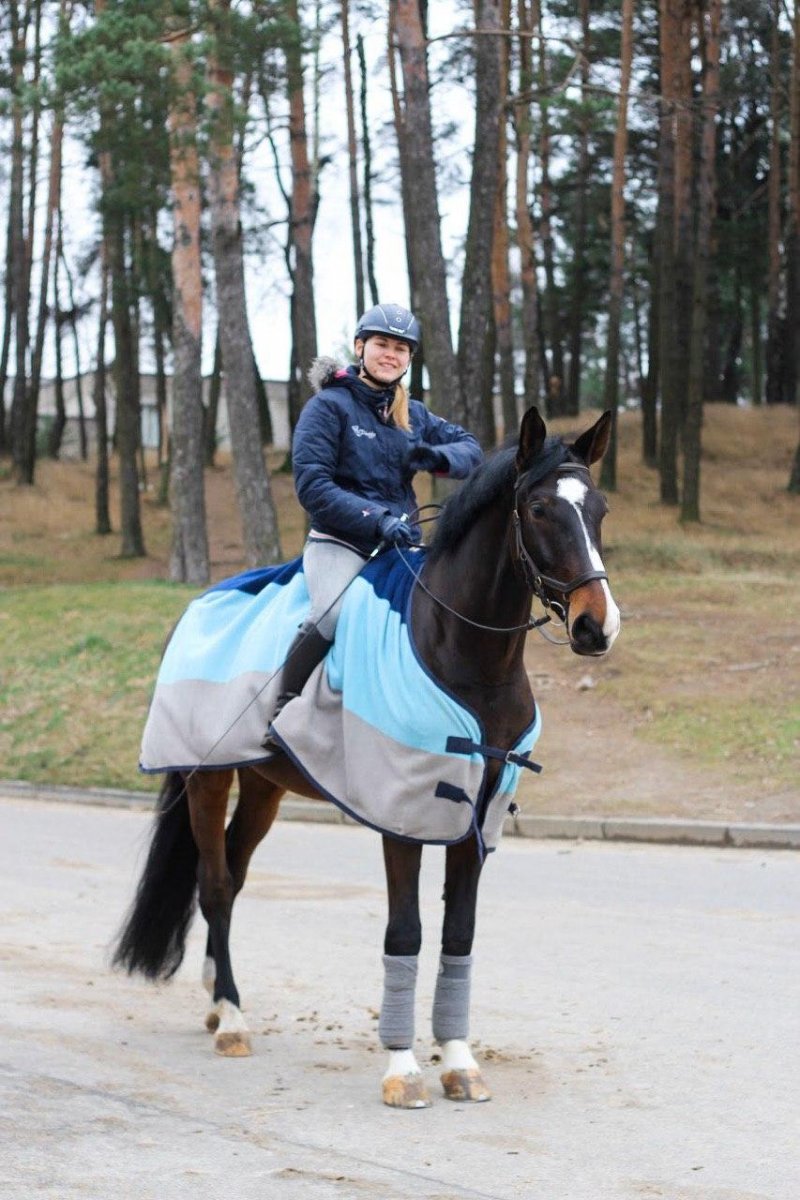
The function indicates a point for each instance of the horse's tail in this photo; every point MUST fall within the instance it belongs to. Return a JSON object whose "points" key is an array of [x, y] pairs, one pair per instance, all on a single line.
{"points": [[153, 937]]}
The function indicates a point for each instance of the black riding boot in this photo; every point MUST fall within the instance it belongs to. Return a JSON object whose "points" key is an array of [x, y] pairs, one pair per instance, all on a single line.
{"points": [[306, 651]]}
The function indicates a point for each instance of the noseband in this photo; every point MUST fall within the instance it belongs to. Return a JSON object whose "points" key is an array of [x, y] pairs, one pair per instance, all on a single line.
{"points": [[535, 579]]}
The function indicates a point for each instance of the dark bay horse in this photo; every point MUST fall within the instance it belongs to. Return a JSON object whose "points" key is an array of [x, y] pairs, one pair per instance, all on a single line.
{"points": [[526, 523]]}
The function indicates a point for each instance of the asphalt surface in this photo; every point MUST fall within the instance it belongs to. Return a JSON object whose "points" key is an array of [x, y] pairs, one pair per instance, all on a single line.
{"points": [[635, 1009]]}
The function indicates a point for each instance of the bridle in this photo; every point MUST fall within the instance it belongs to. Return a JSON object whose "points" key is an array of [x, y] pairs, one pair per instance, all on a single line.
{"points": [[535, 579]]}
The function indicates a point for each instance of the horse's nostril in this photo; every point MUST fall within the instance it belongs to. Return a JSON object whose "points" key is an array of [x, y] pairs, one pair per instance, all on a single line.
{"points": [[587, 633]]}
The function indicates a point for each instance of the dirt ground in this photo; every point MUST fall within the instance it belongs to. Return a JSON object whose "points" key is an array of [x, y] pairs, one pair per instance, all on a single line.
{"points": [[710, 633]]}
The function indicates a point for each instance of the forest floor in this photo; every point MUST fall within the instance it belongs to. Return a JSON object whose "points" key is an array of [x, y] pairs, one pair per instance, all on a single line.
{"points": [[696, 711]]}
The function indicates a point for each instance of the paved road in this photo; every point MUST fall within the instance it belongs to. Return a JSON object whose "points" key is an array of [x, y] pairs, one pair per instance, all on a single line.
{"points": [[636, 1008]]}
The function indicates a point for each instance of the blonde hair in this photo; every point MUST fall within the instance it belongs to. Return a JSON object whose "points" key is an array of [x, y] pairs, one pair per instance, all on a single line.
{"points": [[398, 409]]}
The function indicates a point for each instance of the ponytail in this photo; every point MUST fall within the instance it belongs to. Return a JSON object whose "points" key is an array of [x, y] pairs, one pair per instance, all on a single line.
{"points": [[398, 409]]}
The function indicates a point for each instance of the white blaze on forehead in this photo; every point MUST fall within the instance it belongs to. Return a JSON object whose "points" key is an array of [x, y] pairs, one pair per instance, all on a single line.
{"points": [[574, 492]]}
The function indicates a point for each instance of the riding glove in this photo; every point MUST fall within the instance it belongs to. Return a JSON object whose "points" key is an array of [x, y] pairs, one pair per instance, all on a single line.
{"points": [[395, 531], [425, 458]]}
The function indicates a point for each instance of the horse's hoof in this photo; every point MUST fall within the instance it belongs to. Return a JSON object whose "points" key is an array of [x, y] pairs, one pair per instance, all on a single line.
{"points": [[465, 1085], [233, 1044], [405, 1091], [212, 1021]]}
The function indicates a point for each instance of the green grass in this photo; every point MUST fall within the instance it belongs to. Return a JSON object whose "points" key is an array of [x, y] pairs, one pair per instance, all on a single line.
{"points": [[77, 667]]}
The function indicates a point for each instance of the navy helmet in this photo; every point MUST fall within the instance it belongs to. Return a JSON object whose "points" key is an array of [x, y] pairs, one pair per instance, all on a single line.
{"points": [[390, 319]]}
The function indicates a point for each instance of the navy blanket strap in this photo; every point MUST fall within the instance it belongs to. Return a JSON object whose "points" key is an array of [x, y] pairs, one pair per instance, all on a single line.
{"points": [[462, 745]]}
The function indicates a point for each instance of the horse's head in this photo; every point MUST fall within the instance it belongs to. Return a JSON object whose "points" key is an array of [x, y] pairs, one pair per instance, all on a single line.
{"points": [[558, 514]]}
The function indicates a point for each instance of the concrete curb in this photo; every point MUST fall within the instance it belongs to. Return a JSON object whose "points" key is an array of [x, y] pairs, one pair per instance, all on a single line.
{"points": [[606, 829]]}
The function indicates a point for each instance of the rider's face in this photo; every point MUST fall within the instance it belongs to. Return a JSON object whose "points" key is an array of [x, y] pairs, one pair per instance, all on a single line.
{"points": [[386, 358]]}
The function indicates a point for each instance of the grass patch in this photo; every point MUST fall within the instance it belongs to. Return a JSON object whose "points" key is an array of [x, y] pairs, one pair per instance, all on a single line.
{"points": [[78, 669]]}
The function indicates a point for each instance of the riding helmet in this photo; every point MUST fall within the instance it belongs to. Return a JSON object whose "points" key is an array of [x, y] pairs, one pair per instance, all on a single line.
{"points": [[391, 319]]}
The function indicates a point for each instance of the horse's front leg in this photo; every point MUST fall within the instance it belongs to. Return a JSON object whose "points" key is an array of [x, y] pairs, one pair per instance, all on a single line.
{"points": [[461, 1076], [403, 1085]]}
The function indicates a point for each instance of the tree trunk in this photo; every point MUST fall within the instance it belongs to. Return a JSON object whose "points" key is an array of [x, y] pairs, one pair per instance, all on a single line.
{"points": [[406, 189], [792, 240], [23, 452], [501, 284], [352, 157], [525, 240], [476, 290], [423, 231], [212, 409], [551, 315], [189, 557], [608, 474], [128, 430], [650, 385], [366, 142], [53, 209], [684, 203], [774, 387], [573, 395], [8, 318], [756, 389], [302, 217], [101, 490], [729, 379], [706, 204], [259, 519], [56, 433], [670, 381], [73, 324]]}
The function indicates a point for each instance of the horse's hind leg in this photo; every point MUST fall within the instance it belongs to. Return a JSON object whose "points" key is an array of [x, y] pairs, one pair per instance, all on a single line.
{"points": [[461, 1076], [208, 805], [255, 811], [403, 1085]]}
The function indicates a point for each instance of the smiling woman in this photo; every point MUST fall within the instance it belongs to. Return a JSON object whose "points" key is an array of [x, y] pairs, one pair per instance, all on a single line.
{"points": [[357, 446]]}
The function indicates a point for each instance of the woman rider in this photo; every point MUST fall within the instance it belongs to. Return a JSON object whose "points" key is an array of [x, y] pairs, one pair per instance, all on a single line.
{"points": [[356, 447]]}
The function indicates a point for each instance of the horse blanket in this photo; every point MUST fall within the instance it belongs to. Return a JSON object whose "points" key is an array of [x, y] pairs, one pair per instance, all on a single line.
{"points": [[373, 731]]}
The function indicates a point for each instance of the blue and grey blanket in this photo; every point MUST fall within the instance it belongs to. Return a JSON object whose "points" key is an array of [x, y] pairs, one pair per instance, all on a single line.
{"points": [[373, 730]]}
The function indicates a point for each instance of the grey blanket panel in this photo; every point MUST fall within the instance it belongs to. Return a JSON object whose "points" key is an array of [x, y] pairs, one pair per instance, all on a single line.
{"points": [[379, 781], [183, 713]]}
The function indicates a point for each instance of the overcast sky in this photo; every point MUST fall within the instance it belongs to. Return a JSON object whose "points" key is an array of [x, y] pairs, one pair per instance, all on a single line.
{"points": [[268, 287]]}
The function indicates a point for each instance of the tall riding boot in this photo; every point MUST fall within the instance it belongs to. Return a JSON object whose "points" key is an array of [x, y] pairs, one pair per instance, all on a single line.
{"points": [[306, 651]]}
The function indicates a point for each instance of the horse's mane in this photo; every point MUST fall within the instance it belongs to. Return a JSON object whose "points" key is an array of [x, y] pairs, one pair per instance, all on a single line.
{"points": [[485, 485]]}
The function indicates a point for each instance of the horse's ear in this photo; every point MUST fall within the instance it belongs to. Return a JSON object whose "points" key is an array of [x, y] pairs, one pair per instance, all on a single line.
{"points": [[592, 444], [532, 433]]}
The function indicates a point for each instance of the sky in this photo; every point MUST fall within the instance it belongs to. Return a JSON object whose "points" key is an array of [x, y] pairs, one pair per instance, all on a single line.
{"points": [[267, 283]]}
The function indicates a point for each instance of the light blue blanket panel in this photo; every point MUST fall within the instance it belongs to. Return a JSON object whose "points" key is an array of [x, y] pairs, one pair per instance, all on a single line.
{"points": [[234, 629]]}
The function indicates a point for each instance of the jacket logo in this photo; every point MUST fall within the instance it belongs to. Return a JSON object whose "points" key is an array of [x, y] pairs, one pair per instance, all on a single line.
{"points": [[359, 432]]}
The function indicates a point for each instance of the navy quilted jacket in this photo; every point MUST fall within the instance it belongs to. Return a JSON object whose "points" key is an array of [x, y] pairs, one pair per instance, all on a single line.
{"points": [[351, 467]]}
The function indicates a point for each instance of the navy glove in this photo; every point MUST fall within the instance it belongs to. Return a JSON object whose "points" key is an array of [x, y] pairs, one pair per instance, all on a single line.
{"points": [[394, 531], [425, 458]]}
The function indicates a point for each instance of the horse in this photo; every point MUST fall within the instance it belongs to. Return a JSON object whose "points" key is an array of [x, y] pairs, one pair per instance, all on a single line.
{"points": [[525, 524]]}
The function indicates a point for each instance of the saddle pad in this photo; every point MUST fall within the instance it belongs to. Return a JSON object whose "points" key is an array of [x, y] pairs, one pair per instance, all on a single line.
{"points": [[372, 727]]}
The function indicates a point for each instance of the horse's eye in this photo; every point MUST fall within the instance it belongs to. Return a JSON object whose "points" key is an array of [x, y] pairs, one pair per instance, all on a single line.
{"points": [[537, 509]]}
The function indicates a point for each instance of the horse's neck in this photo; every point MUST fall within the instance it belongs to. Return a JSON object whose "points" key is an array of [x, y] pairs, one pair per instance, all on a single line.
{"points": [[477, 580]]}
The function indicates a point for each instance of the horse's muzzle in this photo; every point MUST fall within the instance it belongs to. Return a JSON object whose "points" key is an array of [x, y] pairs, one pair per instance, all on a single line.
{"points": [[596, 621]]}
